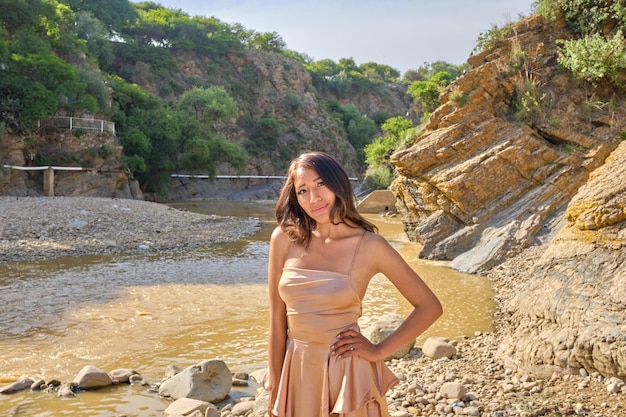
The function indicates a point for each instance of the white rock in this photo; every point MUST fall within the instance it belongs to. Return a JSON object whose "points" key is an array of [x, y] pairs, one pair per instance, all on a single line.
{"points": [[437, 348], [452, 390]]}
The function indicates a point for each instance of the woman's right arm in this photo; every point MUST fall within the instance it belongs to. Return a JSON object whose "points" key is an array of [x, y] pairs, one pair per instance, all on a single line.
{"points": [[279, 245]]}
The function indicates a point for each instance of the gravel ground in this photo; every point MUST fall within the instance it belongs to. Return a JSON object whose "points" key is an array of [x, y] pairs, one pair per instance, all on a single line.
{"points": [[52, 227], [492, 390]]}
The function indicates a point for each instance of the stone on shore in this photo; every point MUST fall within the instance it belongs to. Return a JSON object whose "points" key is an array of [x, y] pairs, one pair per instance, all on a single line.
{"points": [[122, 375], [67, 390], [452, 390], [382, 328], [189, 406], [242, 408], [17, 386], [91, 377], [209, 381], [438, 348], [53, 227]]}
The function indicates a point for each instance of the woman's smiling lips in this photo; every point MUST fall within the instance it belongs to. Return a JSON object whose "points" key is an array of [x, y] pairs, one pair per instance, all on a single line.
{"points": [[318, 209]]}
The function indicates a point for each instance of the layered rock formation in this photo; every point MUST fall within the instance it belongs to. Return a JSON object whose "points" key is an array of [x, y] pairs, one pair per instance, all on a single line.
{"points": [[516, 157], [512, 142], [572, 312]]}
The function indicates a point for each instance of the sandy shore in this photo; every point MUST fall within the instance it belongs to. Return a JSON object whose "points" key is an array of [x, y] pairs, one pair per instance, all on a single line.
{"points": [[53, 227]]}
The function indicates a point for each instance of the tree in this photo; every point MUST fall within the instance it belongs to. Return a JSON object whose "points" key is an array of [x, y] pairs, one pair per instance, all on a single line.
{"points": [[347, 65], [271, 42], [15, 14], [396, 126], [96, 35], [323, 69], [442, 78], [379, 72], [209, 104], [22, 103], [426, 93], [377, 153], [114, 14]]}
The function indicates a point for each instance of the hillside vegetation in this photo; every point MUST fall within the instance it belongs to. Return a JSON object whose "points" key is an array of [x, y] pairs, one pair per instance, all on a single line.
{"points": [[186, 93]]}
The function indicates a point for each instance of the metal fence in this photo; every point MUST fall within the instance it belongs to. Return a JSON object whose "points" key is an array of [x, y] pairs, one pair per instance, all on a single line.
{"points": [[78, 123]]}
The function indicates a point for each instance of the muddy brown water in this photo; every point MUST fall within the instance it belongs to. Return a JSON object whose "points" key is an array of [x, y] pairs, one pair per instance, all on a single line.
{"points": [[149, 310]]}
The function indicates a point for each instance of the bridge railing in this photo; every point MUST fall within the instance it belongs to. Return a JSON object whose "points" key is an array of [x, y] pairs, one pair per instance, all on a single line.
{"points": [[78, 123], [237, 177]]}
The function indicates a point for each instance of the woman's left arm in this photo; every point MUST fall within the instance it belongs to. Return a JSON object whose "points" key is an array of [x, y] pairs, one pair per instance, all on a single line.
{"points": [[382, 258]]}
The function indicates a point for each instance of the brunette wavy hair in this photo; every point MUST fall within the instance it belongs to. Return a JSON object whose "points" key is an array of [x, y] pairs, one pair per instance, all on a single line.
{"points": [[294, 221]]}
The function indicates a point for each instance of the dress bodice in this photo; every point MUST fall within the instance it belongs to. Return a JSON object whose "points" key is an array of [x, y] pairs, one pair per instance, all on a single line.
{"points": [[319, 304]]}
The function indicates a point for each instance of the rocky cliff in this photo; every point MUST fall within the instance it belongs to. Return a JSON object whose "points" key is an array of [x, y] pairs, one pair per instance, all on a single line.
{"points": [[96, 152], [488, 174], [516, 156], [269, 85]]}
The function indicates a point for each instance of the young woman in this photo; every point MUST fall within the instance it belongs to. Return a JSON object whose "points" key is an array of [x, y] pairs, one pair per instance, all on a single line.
{"points": [[322, 256]]}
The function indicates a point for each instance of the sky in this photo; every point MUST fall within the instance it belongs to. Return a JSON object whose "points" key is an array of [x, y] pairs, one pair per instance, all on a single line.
{"points": [[403, 34]]}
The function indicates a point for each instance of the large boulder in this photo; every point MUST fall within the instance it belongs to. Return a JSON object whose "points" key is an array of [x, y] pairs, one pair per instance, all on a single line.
{"points": [[208, 381], [91, 377]]}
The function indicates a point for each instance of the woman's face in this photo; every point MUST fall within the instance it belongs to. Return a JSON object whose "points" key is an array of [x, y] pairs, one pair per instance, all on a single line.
{"points": [[315, 198]]}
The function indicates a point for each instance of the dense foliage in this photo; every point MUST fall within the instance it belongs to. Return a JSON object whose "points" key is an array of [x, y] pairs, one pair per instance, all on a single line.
{"points": [[87, 57], [398, 132], [599, 52], [43, 45]]}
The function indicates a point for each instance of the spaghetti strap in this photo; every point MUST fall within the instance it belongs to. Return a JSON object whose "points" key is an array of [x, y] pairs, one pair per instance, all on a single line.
{"points": [[356, 250]]}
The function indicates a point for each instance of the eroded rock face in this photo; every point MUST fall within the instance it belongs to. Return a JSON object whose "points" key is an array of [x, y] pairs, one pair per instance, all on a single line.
{"points": [[483, 181], [493, 176], [572, 312]]}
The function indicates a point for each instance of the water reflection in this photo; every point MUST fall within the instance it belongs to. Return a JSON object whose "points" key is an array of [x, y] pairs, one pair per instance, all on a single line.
{"points": [[150, 310]]}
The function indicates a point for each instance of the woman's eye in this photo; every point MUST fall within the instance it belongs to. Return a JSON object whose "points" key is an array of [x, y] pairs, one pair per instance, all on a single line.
{"points": [[301, 192], [321, 184]]}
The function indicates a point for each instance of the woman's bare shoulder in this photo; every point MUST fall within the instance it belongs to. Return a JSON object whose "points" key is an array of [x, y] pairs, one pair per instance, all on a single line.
{"points": [[280, 238], [374, 239]]}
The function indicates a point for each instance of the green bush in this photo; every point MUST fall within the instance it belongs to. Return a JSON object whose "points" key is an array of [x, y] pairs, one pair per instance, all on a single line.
{"points": [[379, 178], [293, 102], [426, 93], [528, 101], [594, 57], [78, 132], [106, 150], [490, 39], [585, 17], [264, 135]]}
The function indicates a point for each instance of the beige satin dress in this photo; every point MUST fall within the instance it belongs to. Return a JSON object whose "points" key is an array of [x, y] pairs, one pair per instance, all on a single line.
{"points": [[320, 304]]}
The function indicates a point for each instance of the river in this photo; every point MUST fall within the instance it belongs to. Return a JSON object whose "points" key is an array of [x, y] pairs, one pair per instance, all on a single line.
{"points": [[150, 310]]}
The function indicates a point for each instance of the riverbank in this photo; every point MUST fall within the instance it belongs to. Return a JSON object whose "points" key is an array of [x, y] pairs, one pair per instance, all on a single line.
{"points": [[38, 228], [52, 227], [492, 389]]}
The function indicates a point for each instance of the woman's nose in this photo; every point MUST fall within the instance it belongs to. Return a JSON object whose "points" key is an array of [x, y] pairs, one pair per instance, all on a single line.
{"points": [[314, 195]]}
